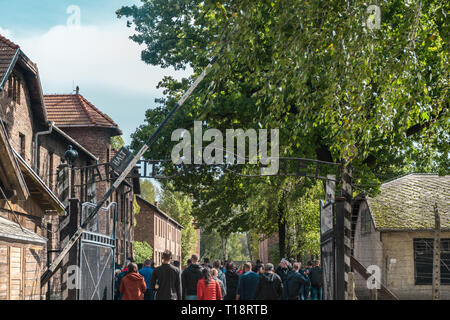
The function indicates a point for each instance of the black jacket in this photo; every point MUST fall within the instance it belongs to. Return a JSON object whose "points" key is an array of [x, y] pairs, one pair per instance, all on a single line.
{"points": [[189, 279], [316, 277], [169, 282], [294, 284], [232, 279], [282, 272], [269, 287]]}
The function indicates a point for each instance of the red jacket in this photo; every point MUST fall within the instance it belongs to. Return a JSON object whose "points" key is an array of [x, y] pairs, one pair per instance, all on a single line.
{"points": [[132, 287], [210, 292]]}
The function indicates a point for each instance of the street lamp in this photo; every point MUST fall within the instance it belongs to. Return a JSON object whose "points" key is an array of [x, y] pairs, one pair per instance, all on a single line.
{"points": [[70, 155]]}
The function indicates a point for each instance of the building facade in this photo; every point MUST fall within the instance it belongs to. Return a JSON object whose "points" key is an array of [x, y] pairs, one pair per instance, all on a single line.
{"points": [[38, 184], [81, 120], [159, 230], [394, 233]]}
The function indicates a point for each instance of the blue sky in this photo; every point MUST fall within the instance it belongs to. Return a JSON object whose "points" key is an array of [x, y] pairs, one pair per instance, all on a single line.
{"points": [[96, 55]]}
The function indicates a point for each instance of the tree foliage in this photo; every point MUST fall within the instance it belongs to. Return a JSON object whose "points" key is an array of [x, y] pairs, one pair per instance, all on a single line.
{"points": [[336, 90], [142, 251], [179, 206]]}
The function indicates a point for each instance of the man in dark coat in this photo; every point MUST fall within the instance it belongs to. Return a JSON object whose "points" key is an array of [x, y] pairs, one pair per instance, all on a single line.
{"points": [[189, 279], [270, 286], [166, 280], [282, 271], [294, 283], [232, 279], [316, 281], [247, 283]]}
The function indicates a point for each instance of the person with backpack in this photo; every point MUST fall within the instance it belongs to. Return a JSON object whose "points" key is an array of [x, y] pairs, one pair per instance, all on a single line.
{"points": [[269, 286], [316, 278], [207, 287], [294, 283], [168, 278], [232, 279], [189, 279], [132, 286]]}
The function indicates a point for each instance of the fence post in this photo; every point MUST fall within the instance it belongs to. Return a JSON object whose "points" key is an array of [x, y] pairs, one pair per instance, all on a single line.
{"points": [[437, 255], [351, 286], [374, 293], [343, 231]]}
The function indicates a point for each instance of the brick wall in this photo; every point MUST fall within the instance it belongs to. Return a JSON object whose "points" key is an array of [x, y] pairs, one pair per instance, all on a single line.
{"points": [[264, 247], [153, 228], [18, 117], [97, 141]]}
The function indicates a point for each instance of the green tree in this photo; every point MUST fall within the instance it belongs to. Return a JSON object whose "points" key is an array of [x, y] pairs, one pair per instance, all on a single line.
{"points": [[377, 99], [142, 251], [179, 206], [117, 143], [148, 192]]}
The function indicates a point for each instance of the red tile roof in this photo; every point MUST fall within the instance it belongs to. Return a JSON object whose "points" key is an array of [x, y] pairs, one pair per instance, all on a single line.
{"points": [[8, 50], [73, 110]]}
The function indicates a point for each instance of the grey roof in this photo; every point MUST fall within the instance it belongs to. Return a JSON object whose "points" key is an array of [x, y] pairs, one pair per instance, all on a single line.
{"points": [[12, 231], [407, 203]]}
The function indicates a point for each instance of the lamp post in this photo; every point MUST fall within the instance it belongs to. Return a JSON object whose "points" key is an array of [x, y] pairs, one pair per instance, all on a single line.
{"points": [[70, 156]]}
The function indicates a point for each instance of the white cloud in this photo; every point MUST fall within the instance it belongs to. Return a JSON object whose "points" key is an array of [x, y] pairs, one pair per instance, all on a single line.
{"points": [[6, 33], [93, 56]]}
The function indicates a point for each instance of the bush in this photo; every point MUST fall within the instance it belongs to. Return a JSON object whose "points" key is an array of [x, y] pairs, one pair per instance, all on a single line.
{"points": [[142, 251]]}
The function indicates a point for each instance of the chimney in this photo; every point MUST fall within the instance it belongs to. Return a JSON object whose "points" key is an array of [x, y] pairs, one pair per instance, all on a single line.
{"points": [[77, 90]]}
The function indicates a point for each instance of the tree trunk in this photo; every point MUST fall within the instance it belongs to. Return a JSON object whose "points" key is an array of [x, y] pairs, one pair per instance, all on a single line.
{"points": [[249, 245], [282, 225], [224, 248]]}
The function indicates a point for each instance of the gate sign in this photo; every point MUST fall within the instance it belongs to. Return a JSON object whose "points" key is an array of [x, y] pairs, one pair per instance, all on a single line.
{"points": [[326, 217], [121, 160]]}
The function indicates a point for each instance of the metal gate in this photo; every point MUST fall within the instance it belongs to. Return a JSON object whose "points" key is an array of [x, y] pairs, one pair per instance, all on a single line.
{"points": [[327, 237], [97, 257]]}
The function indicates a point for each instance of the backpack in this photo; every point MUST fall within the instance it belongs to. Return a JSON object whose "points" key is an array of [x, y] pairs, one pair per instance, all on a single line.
{"points": [[316, 277]]}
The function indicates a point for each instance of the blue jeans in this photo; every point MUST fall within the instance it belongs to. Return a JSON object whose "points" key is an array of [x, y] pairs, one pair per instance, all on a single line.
{"points": [[191, 298], [316, 293], [306, 291]]}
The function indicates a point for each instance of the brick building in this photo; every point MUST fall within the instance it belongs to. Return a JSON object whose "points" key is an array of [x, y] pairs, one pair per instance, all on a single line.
{"points": [[159, 230], [395, 231], [31, 205], [37, 182], [82, 121], [265, 246]]}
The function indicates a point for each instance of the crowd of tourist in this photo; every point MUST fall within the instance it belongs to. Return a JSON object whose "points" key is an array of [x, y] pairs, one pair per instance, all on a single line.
{"points": [[219, 281]]}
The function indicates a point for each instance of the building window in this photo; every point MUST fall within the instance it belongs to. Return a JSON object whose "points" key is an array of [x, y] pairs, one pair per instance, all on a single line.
{"points": [[50, 170], [365, 221], [14, 88], [22, 145], [423, 261]]}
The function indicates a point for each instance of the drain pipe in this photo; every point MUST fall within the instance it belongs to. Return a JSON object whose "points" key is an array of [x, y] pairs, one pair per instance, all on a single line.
{"points": [[36, 146]]}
